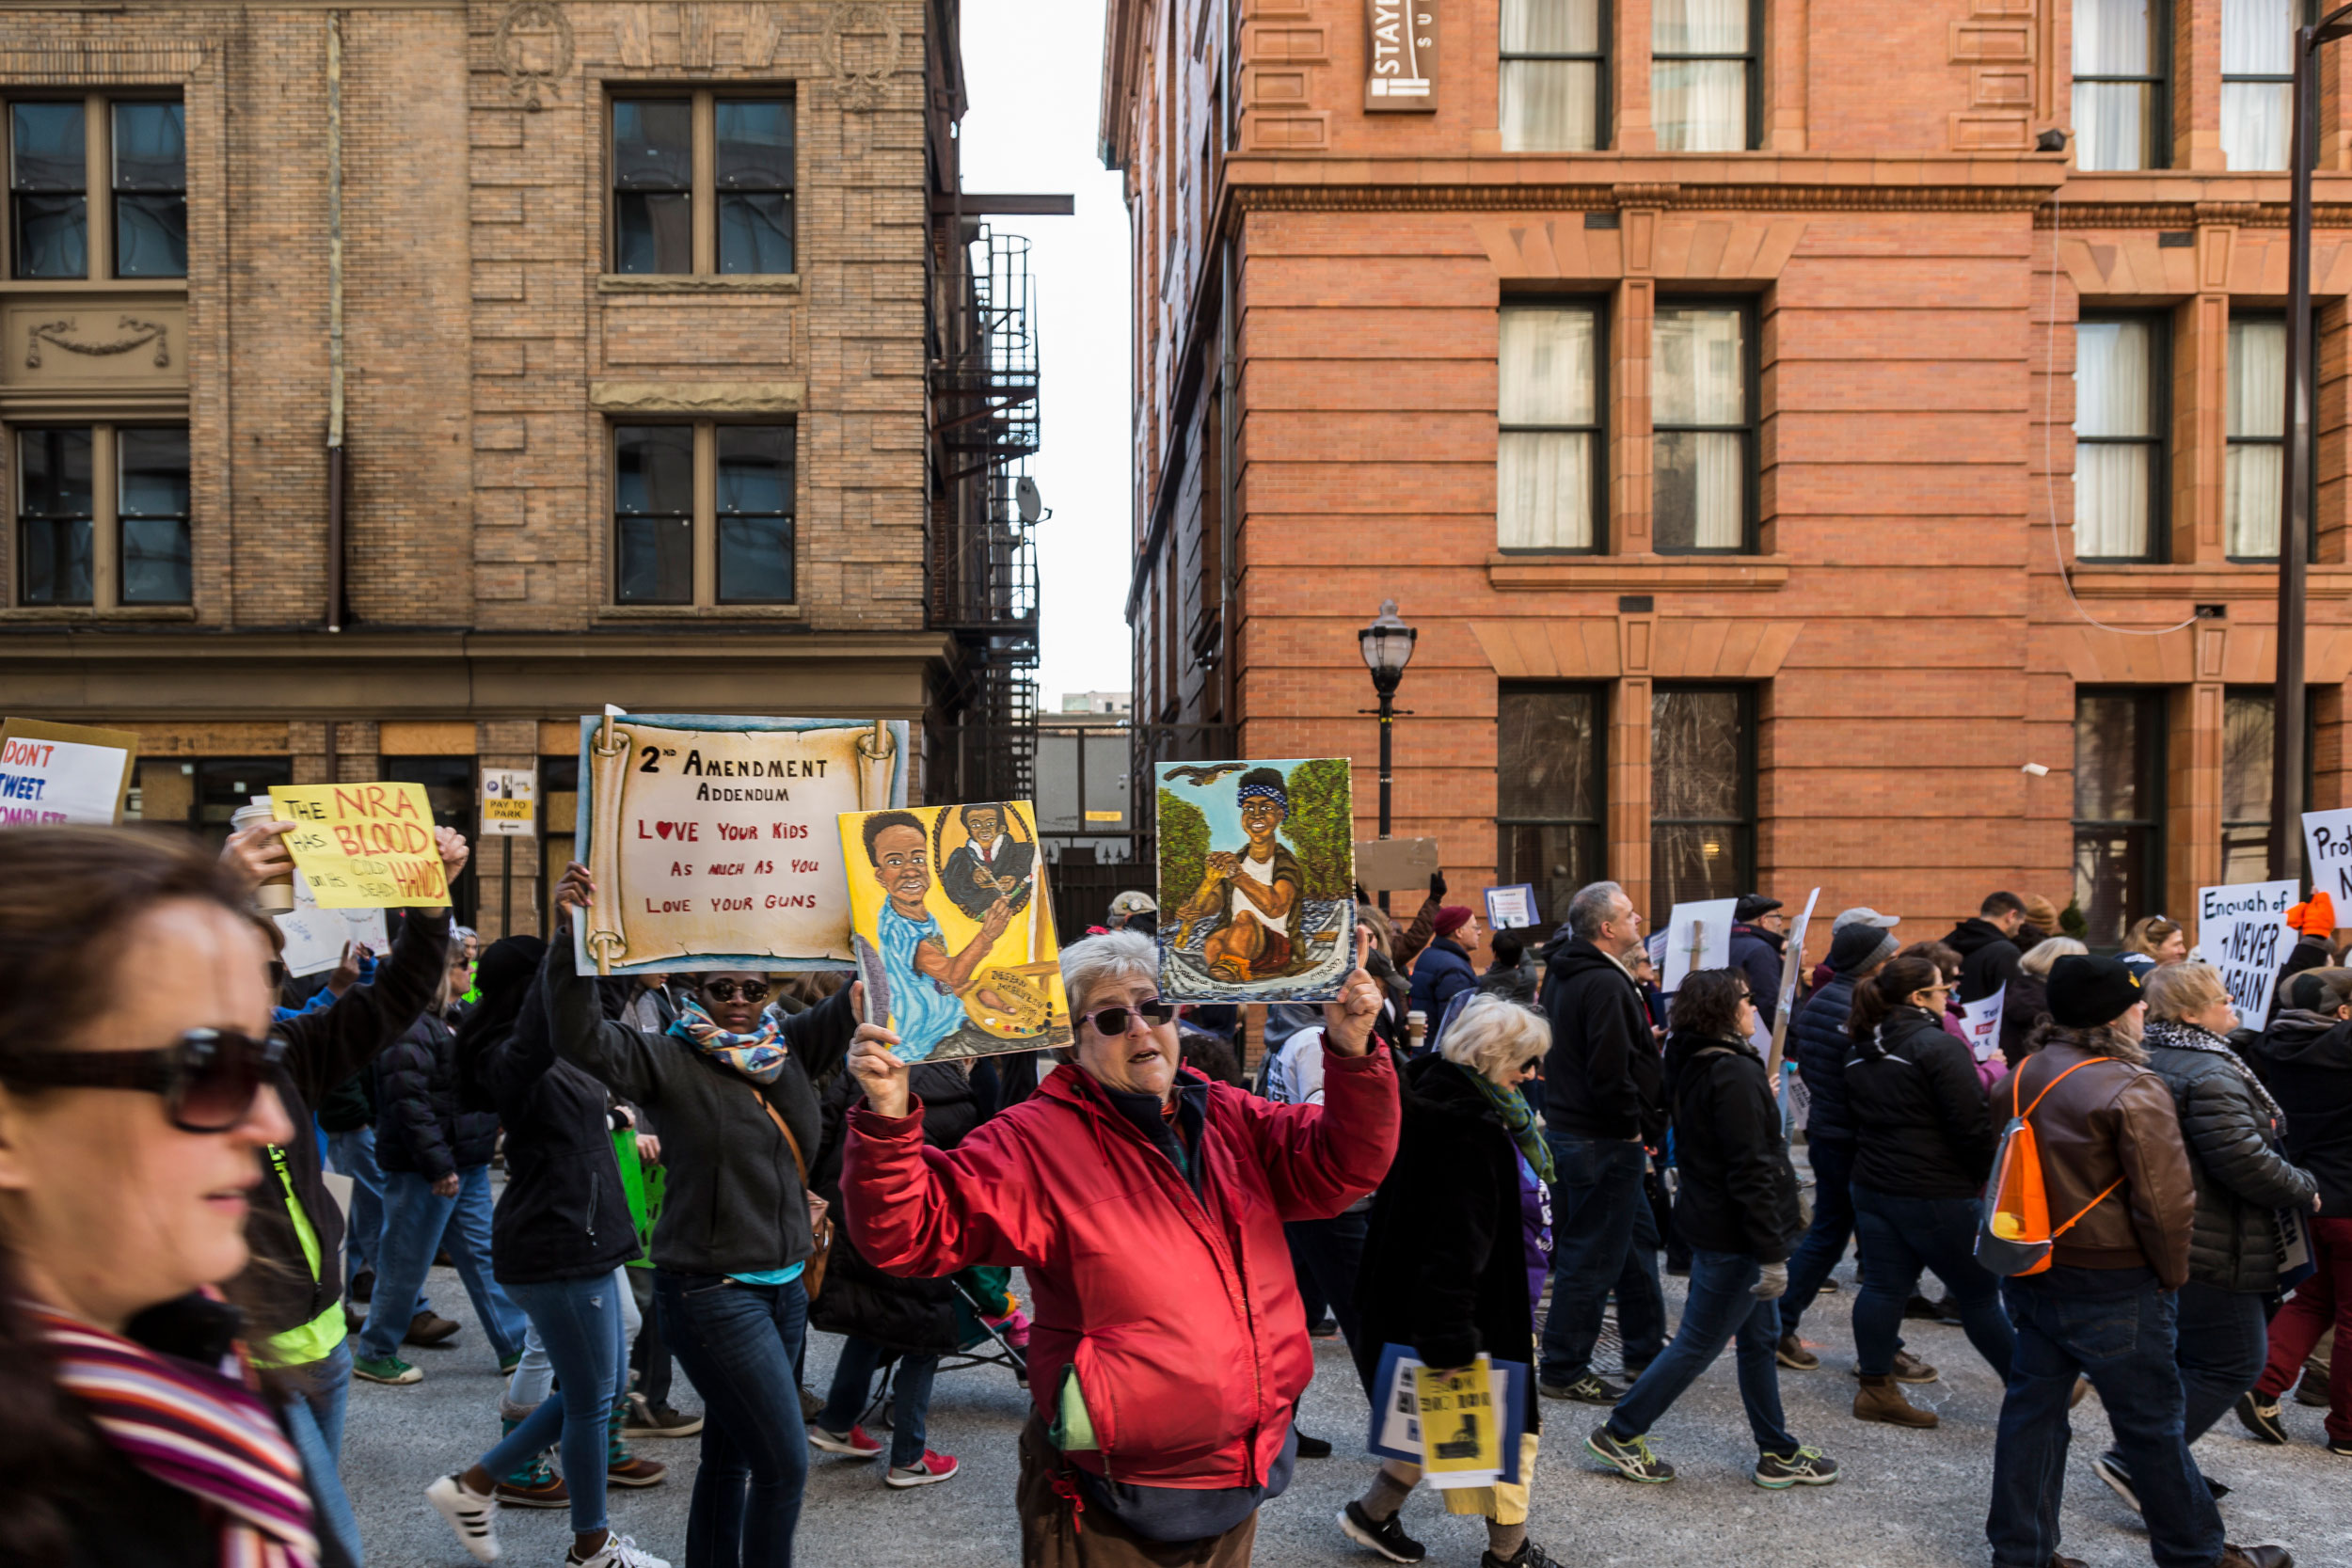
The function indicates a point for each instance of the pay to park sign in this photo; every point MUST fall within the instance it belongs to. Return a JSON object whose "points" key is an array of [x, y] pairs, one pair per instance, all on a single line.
{"points": [[2242, 931], [364, 846]]}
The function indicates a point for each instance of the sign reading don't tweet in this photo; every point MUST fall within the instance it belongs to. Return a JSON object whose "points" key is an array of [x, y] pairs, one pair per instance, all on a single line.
{"points": [[2242, 931], [60, 774]]}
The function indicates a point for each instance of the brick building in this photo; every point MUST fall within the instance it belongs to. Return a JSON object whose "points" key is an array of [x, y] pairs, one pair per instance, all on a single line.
{"points": [[1776, 448], [388, 384]]}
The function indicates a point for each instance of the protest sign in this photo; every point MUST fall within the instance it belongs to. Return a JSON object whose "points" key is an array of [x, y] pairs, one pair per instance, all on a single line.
{"points": [[1386, 864], [57, 774], [510, 802], [1511, 907], [954, 930], [1698, 936], [1792, 969], [364, 846], [715, 842], [1981, 1021], [2242, 931], [2328, 849], [1461, 1438], [1396, 1427], [1257, 880], [315, 937]]}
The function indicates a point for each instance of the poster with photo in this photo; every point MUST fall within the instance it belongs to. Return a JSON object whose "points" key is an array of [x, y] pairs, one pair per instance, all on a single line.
{"points": [[1257, 880]]}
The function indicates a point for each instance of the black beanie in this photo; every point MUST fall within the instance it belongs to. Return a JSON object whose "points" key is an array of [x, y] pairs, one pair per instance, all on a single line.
{"points": [[1857, 947], [2087, 992]]}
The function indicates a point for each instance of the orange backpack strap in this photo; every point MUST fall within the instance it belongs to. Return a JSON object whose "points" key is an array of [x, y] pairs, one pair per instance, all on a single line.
{"points": [[2060, 1230]]}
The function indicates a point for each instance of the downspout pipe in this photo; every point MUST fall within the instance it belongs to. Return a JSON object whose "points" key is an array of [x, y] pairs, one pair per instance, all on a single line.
{"points": [[335, 469]]}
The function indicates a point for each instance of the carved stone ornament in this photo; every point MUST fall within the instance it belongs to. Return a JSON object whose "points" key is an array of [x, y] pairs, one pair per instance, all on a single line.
{"points": [[534, 47], [135, 334], [861, 46]]}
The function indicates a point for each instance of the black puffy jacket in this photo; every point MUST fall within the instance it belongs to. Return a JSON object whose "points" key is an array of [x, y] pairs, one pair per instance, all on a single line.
{"points": [[1988, 960], [2306, 1060], [1921, 1125], [2242, 1180], [1820, 1046], [1603, 1078], [564, 1214], [419, 1126], [2022, 1012], [1739, 1191]]}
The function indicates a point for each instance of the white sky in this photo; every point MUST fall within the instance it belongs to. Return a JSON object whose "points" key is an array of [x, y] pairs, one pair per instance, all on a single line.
{"points": [[1033, 69]]}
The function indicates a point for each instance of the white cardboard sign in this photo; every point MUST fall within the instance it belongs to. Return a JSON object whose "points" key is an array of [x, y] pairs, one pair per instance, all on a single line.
{"points": [[1981, 1021], [1698, 936], [2328, 852], [2242, 931], [315, 937]]}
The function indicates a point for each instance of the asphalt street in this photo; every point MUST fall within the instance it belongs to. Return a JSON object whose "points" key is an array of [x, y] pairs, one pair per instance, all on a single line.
{"points": [[1908, 1499]]}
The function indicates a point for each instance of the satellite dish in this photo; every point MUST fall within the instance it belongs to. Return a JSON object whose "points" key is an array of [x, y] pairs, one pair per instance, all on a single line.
{"points": [[1026, 498]]}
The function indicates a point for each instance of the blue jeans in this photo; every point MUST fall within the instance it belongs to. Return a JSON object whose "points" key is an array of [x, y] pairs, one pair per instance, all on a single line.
{"points": [[1595, 1199], [2070, 1323], [1719, 1309], [415, 1223], [2224, 1338], [1900, 1236], [581, 1325], [740, 1344], [1326, 1256], [1817, 1256], [911, 1390], [353, 1154], [314, 1422]]}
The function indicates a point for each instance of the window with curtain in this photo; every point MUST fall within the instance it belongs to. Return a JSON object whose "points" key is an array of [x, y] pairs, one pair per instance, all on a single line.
{"points": [[2120, 372], [1702, 74], [2257, 80], [2121, 117], [2119, 810], [1553, 89], [1547, 461], [2256, 424], [1548, 791], [1703, 433], [1702, 754]]}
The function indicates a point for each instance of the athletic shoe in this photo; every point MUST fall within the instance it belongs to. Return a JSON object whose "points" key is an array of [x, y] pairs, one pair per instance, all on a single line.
{"points": [[854, 1442], [2261, 1417], [1592, 1388], [508, 1363], [1630, 1458], [1328, 1329], [1907, 1367], [1777, 1472], [618, 1551], [657, 1421], [1385, 1536], [541, 1488], [473, 1517], [428, 1328], [1314, 1447], [1528, 1556], [385, 1368], [929, 1470], [634, 1472], [1792, 1353], [2310, 1391], [2109, 1467], [2339, 1447]]}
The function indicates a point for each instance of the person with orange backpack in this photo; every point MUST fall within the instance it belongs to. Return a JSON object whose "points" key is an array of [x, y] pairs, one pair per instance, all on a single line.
{"points": [[2089, 1215]]}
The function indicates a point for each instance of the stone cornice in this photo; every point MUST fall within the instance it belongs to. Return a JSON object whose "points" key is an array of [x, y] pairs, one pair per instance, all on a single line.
{"points": [[1518, 197], [2074, 215]]}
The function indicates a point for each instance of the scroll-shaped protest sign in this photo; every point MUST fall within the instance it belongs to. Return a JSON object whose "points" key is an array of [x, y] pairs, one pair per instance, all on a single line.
{"points": [[364, 846], [1981, 1021], [2242, 931], [57, 774], [714, 841]]}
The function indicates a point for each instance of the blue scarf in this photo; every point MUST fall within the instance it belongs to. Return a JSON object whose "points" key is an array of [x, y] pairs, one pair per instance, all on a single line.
{"points": [[758, 1057]]}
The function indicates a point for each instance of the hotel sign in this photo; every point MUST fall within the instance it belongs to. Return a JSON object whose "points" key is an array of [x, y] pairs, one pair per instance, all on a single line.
{"points": [[1400, 56]]}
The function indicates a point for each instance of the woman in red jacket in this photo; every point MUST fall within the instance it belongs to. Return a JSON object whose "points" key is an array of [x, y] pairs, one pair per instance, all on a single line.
{"points": [[1147, 1205]]}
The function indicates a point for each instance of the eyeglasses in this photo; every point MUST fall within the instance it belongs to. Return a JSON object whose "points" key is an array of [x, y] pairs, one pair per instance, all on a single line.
{"points": [[208, 1078], [1115, 1021], [726, 990]]}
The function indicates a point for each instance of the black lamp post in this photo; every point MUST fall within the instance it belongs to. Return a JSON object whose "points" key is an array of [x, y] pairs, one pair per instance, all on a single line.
{"points": [[1387, 647], [2294, 508]]}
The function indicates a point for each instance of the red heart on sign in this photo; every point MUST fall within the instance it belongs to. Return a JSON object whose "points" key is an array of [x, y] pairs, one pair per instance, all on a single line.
{"points": [[663, 828]]}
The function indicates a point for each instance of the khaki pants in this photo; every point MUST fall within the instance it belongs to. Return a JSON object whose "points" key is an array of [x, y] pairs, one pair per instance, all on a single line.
{"points": [[1505, 1502], [1057, 1533]]}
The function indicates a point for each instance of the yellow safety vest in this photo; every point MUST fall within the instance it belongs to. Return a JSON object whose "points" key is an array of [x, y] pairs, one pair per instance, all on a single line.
{"points": [[316, 1340]]}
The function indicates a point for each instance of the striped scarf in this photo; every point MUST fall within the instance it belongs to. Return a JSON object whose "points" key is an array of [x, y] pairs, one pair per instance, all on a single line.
{"points": [[198, 1429], [758, 1057]]}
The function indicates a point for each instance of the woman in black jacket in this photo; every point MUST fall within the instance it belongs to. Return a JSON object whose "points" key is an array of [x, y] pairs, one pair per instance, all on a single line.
{"points": [[1924, 1142]]}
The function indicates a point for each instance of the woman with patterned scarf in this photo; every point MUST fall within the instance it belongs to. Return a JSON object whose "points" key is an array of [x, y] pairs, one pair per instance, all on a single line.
{"points": [[135, 1004]]}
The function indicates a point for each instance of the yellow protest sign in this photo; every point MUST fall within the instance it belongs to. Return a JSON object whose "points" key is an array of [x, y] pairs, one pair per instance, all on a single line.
{"points": [[364, 846], [1461, 1432]]}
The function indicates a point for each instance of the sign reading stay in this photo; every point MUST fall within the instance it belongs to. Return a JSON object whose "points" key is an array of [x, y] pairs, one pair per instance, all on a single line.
{"points": [[364, 846], [1400, 56]]}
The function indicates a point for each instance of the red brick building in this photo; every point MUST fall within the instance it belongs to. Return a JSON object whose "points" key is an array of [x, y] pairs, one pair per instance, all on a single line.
{"points": [[1776, 452]]}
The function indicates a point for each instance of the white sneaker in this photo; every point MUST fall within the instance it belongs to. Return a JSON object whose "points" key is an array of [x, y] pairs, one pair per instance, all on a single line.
{"points": [[618, 1551], [473, 1517]]}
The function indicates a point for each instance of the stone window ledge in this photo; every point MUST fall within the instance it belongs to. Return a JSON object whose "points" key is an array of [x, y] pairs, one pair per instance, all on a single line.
{"points": [[700, 612], [2251, 580], [1636, 573], [83, 615], [698, 283]]}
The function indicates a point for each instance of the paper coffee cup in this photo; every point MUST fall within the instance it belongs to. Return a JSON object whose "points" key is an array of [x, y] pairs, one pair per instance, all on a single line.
{"points": [[276, 896]]}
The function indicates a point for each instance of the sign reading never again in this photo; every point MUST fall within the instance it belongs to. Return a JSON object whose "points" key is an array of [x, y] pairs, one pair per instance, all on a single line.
{"points": [[364, 846], [2242, 931], [1400, 56]]}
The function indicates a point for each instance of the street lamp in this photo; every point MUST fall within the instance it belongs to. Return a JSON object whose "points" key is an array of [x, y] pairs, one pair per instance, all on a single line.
{"points": [[2294, 506], [1387, 647]]}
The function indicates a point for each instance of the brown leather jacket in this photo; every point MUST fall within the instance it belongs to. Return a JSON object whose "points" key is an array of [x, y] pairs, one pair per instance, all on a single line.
{"points": [[2111, 1121]]}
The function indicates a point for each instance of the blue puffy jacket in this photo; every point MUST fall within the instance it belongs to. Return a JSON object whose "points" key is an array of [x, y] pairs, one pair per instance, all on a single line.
{"points": [[1819, 1041], [1441, 971], [1755, 953]]}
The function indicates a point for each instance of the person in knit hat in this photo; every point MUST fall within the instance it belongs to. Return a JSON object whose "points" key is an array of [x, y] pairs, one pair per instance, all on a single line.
{"points": [[1443, 971], [2041, 921]]}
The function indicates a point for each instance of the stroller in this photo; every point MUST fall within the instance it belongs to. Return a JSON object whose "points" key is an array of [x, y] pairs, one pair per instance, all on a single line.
{"points": [[983, 1343]]}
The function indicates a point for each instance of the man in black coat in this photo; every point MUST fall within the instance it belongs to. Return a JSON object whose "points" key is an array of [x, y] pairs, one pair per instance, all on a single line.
{"points": [[1604, 1109], [1755, 952], [1987, 946]]}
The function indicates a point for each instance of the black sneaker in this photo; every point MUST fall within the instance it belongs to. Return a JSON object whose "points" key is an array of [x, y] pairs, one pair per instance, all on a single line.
{"points": [[1630, 1458], [2339, 1447], [2109, 1467], [2261, 1417], [1592, 1388], [1314, 1447], [1528, 1556], [1777, 1472], [2310, 1391], [1385, 1536]]}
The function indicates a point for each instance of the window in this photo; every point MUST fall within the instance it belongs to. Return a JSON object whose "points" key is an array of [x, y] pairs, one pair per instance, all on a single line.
{"points": [[1555, 75], [134, 151], [1702, 74], [1548, 791], [701, 514], [101, 516], [1702, 755], [2256, 465], [2119, 810], [450, 789], [2249, 725], [2121, 118], [2119, 376], [2257, 80], [701, 183], [1549, 471], [1705, 444], [559, 807]]}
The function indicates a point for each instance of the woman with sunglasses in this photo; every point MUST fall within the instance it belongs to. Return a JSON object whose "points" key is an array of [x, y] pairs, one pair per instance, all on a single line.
{"points": [[1147, 1205], [135, 1004], [1924, 1141], [731, 1084]]}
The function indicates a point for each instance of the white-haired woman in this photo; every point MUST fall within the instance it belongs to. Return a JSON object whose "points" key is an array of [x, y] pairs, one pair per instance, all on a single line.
{"points": [[1147, 1205], [1456, 1258], [2028, 1002]]}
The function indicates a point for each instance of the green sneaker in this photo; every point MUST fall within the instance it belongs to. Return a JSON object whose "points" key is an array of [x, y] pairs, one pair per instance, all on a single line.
{"points": [[1628, 1456], [383, 1368], [1777, 1472], [508, 1363]]}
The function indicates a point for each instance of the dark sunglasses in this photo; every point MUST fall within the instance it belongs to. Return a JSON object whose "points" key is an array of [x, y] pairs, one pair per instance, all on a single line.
{"points": [[1114, 1021], [725, 990], [208, 1079]]}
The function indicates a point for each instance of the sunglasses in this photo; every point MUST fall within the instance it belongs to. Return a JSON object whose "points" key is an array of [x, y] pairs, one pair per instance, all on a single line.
{"points": [[725, 990], [208, 1078], [1114, 1021]]}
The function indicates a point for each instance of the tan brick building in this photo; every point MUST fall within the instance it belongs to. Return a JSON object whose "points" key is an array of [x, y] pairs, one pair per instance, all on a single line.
{"points": [[384, 385], [1774, 450]]}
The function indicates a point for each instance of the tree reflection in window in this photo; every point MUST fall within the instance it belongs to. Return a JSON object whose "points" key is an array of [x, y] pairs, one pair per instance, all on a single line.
{"points": [[1548, 792], [2119, 810], [1702, 794]]}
